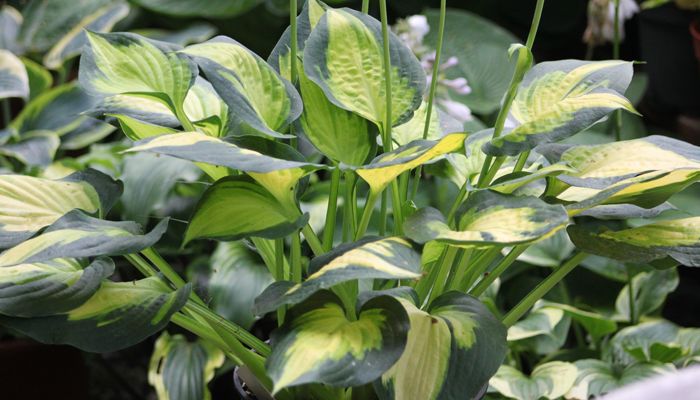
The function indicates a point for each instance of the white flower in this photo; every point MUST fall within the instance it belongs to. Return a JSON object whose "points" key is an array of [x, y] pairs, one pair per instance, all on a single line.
{"points": [[601, 20]]}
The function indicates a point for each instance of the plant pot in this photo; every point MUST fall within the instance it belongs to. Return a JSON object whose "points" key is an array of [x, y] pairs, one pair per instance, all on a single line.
{"points": [[34, 371], [247, 385]]}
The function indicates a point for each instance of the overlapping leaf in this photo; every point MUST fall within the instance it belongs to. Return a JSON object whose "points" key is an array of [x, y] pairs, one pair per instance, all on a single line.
{"points": [[343, 56], [199, 8], [596, 378], [453, 348], [550, 381], [561, 98], [13, 76], [489, 218], [370, 258], [28, 204], [118, 315], [318, 343]]}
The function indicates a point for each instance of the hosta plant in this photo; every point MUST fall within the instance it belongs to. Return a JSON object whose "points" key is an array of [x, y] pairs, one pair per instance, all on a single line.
{"points": [[386, 287]]}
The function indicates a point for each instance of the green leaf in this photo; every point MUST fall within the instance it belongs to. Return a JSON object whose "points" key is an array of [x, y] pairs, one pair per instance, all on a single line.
{"points": [[125, 63], [413, 129], [137, 107], [644, 172], [40, 79], [481, 47], [596, 378], [343, 56], [118, 315], [10, 23], [90, 131], [71, 43], [551, 381], [385, 168], [596, 325], [630, 343], [181, 370], [234, 208], [199, 8], [489, 218], [453, 349], [237, 278], [370, 258], [52, 287], [543, 331], [78, 235], [650, 291], [318, 343], [561, 98], [550, 252], [259, 100], [137, 130], [13, 76], [676, 241], [194, 33], [35, 149], [28, 204]]}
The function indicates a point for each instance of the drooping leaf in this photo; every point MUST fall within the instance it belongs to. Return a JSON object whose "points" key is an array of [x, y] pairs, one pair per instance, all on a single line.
{"points": [[137, 130], [543, 330], [181, 370], [550, 252], [71, 43], [10, 23], [199, 8], [489, 218], [51, 287], [35, 149], [550, 381], [125, 63], [318, 343], [561, 98], [453, 349], [118, 315], [237, 278], [259, 100], [370, 258], [136, 107], [13, 76], [676, 240], [596, 325], [89, 131], [649, 293], [79, 235], [385, 168], [234, 208], [343, 56], [637, 341], [413, 129], [28, 204], [596, 378]]}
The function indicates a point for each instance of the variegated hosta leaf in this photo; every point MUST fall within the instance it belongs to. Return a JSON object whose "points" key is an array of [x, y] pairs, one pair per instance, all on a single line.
{"points": [[649, 291], [10, 23], [35, 149], [561, 98], [51, 287], [79, 235], [40, 79], [259, 100], [343, 55], [235, 207], [466, 167], [370, 258], [677, 239], [70, 45], [199, 8], [195, 33], [138, 107], [453, 349], [13, 76], [125, 63], [651, 340], [440, 125], [489, 218], [137, 130], [206, 109], [596, 378], [645, 171], [550, 381], [181, 370], [510, 183], [118, 315], [384, 169], [596, 325], [543, 331], [318, 343], [28, 204]]}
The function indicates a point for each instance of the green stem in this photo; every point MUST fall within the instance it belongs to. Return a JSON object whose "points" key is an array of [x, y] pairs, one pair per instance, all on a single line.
{"points": [[542, 289], [484, 284], [295, 257], [458, 202], [168, 271], [522, 159], [383, 214], [444, 269], [313, 240], [631, 295], [331, 210], [479, 266], [293, 46], [616, 55], [397, 208], [279, 273], [535, 24], [365, 6], [372, 197], [462, 269], [436, 68], [6, 112], [141, 265]]}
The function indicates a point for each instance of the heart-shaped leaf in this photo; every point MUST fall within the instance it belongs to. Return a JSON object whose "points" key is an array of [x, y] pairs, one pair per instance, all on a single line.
{"points": [[550, 381], [29, 204], [79, 235], [51, 287], [596, 378], [561, 98], [181, 370], [370, 258], [489, 218], [343, 56], [543, 331], [118, 315], [318, 343], [453, 349]]}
